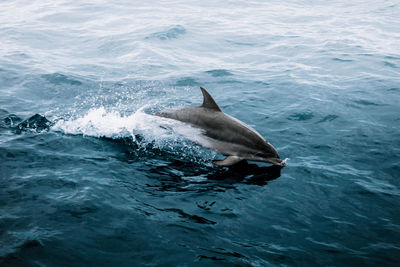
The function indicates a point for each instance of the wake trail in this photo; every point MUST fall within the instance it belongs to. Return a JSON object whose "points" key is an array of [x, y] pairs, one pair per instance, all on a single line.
{"points": [[98, 122]]}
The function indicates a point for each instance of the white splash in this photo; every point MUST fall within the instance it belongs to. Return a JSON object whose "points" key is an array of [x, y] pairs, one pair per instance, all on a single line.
{"points": [[99, 122], [285, 162]]}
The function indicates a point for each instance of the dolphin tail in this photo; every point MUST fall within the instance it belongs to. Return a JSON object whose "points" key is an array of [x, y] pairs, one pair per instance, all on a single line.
{"points": [[229, 161]]}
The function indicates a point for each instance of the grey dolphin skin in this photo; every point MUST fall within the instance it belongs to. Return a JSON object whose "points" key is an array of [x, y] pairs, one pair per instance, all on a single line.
{"points": [[224, 134]]}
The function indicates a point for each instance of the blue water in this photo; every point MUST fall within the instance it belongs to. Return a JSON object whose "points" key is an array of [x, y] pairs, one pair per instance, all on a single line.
{"points": [[94, 180]]}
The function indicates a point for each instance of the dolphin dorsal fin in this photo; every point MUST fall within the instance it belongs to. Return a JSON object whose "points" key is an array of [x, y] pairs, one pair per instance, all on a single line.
{"points": [[208, 101]]}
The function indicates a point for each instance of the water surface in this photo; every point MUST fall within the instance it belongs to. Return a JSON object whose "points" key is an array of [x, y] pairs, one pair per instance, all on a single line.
{"points": [[92, 180]]}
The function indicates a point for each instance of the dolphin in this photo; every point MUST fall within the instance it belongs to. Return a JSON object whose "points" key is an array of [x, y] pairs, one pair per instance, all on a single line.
{"points": [[224, 134]]}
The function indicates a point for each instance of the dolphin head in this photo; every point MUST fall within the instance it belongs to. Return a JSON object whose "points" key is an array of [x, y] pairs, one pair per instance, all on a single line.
{"points": [[269, 154]]}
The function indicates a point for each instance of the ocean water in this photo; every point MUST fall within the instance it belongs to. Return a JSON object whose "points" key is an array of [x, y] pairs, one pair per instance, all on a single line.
{"points": [[88, 177]]}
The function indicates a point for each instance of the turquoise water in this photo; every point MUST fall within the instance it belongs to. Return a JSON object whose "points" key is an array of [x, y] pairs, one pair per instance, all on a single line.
{"points": [[94, 180]]}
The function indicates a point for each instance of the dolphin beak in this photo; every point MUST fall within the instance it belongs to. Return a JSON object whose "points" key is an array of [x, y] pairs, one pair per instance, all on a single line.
{"points": [[277, 161]]}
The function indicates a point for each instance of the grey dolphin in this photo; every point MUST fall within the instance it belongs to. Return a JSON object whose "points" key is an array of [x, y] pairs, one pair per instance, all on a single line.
{"points": [[224, 134]]}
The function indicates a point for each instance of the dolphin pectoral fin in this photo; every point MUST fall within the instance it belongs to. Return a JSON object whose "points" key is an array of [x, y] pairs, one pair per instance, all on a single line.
{"points": [[229, 161]]}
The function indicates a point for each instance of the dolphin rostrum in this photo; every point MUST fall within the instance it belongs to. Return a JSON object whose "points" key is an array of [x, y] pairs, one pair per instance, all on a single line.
{"points": [[224, 134]]}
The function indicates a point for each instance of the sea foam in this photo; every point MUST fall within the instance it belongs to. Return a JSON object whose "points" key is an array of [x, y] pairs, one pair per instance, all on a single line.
{"points": [[99, 122]]}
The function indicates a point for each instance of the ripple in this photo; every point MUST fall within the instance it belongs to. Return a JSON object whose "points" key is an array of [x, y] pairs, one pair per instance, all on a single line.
{"points": [[301, 116], [283, 229], [219, 73], [11, 120], [330, 247], [187, 81], [390, 64], [58, 78], [193, 218], [378, 187], [330, 117], [364, 102], [36, 123], [172, 33], [342, 60], [222, 251], [240, 43]]}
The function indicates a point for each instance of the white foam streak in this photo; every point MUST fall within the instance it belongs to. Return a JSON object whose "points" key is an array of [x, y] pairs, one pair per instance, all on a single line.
{"points": [[99, 122]]}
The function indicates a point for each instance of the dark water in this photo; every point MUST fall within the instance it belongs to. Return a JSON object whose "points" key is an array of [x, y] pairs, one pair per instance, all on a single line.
{"points": [[93, 179]]}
